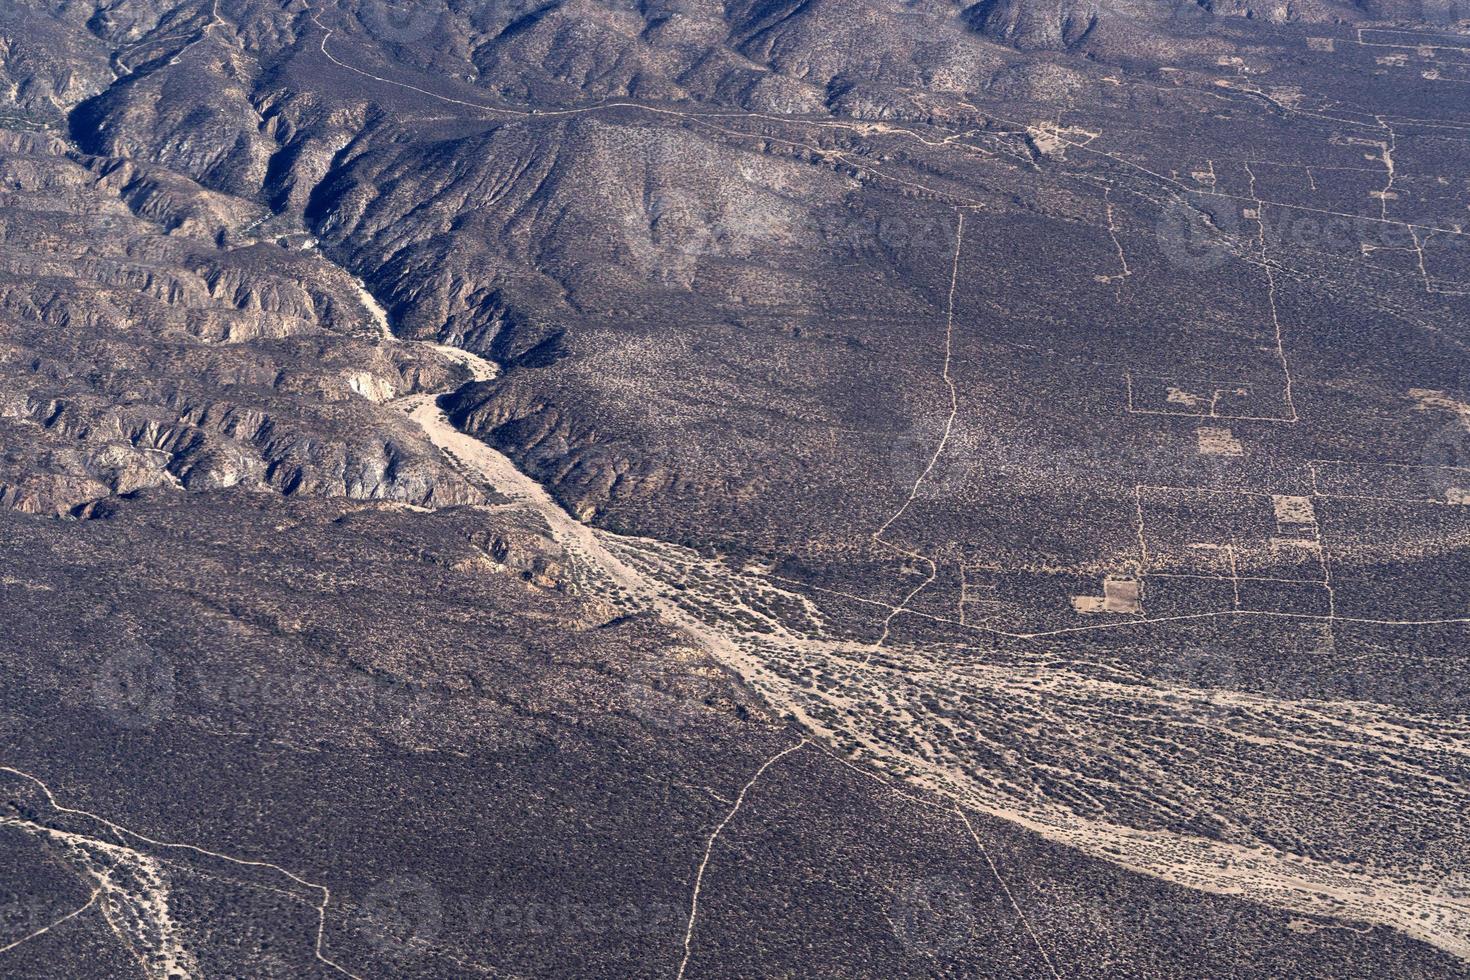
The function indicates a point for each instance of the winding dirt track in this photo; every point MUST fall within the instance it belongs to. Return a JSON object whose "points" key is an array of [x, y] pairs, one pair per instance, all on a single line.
{"points": [[1082, 714], [1058, 725]]}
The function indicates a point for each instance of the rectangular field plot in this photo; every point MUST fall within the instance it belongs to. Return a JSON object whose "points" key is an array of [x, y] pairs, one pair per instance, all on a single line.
{"points": [[1297, 598], [1392, 481], [1285, 559], [1166, 597], [1205, 398], [1398, 560], [1208, 550]]}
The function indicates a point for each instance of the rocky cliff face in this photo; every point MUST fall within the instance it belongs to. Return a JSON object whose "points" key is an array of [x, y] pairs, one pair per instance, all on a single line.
{"points": [[149, 339]]}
